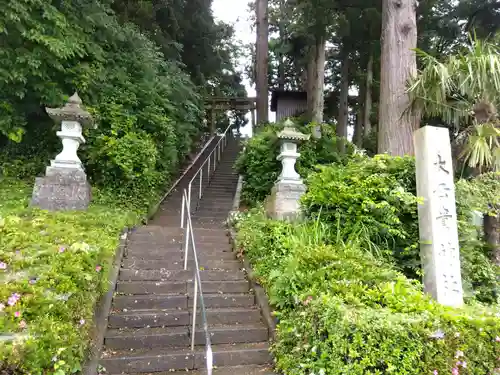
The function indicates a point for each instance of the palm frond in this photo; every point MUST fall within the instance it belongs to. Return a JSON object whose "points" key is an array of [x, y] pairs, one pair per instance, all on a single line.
{"points": [[482, 149], [451, 89]]}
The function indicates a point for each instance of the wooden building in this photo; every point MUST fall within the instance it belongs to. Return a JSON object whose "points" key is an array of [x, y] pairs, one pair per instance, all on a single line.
{"points": [[288, 103]]}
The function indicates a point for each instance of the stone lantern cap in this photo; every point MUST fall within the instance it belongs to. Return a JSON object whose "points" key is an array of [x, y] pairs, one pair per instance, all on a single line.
{"points": [[72, 111], [289, 133]]}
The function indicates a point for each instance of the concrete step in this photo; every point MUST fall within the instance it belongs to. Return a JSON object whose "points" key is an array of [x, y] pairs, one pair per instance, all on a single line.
{"points": [[152, 301], [220, 180], [210, 219], [224, 178], [219, 196], [175, 318], [175, 234], [127, 303], [172, 231], [204, 264], [216, 208], [176, 337], [211, 223], [174, 251], [141, 361], [127, 274], [215, 212], [152, 287], [235, 370], [217, 199], [214, 204], [174, 241], [180, 287], [226, 185], [177, 255]]}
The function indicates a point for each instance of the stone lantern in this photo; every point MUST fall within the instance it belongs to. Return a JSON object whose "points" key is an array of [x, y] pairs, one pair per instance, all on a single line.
{"points": [[284, 202], [65, 185]]}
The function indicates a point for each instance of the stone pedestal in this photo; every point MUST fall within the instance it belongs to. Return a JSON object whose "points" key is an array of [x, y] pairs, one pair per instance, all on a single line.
{"points": [[65, 185], [62, 189], [284, 202], [437, 216]]}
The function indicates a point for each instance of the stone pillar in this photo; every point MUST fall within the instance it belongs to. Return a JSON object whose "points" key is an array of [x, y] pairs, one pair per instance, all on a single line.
{"points": [[284, 202], [437, 216], [65, 185]]}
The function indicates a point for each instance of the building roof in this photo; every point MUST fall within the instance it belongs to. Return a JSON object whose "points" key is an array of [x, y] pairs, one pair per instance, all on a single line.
{"points": [[284, 94]]}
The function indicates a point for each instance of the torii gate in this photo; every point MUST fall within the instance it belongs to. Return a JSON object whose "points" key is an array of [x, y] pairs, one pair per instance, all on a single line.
{"points": [[215, 103]]}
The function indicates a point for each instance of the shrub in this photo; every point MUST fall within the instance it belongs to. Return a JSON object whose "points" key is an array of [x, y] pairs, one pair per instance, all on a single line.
{"points": [[259, 167], [342, 310], [53, 269], [373, 201]]}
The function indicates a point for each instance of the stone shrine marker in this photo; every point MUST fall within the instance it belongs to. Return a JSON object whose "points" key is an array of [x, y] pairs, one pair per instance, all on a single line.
{"points": [[65, 185], [437, 217]]}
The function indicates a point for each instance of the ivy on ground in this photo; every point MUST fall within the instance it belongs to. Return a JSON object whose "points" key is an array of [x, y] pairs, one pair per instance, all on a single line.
{"points": [[53, 268], [343, 310]]}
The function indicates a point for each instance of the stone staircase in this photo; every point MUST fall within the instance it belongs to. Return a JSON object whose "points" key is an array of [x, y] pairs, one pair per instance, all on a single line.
{"points": [[149, 327]]}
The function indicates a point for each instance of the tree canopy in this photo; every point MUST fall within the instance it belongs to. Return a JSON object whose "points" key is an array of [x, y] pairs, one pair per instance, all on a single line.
{"points": [[143, 69]]}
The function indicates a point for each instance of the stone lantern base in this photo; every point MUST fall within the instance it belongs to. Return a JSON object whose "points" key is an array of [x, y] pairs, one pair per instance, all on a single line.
{"points": [[62, 189], [284, 202]]}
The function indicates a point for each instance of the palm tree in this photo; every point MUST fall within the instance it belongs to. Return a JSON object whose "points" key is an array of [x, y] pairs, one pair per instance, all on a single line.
{"points": [[464, 92]]}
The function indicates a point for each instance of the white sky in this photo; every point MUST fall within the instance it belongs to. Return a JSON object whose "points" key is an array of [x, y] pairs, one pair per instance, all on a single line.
{"points": [[236, 12]]}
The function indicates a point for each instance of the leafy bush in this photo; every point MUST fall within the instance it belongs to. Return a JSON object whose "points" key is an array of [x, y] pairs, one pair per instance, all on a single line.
{"points": [[259, 167], [374, 199], [342, 310], [374, 202], [53, 269], [141, 101], [480, 194]]}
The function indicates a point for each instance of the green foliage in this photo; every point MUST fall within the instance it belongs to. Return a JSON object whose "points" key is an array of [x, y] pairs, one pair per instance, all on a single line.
{"points": [[53, 268], [480, 194], [259, 167], [147, 109], [374, 201], [343, 310]]}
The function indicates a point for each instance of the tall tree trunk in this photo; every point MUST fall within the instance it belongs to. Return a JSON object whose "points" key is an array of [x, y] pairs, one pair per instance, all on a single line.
{"points": [[398, 65], [262, 52], [492, 236], [344, 98], [358, 127], [315, 83], [281, 55], [309, 83], [367, 106]]}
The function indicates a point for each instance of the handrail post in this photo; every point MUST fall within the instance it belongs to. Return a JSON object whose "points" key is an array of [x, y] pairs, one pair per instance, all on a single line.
{"points": [[195, 301], [201, 180], [182, 211], [189, 198], [186, 244]]}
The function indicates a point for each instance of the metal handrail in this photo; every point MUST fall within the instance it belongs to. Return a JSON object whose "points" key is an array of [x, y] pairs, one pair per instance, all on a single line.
{"points": [[189, 239], [211, 164]]}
